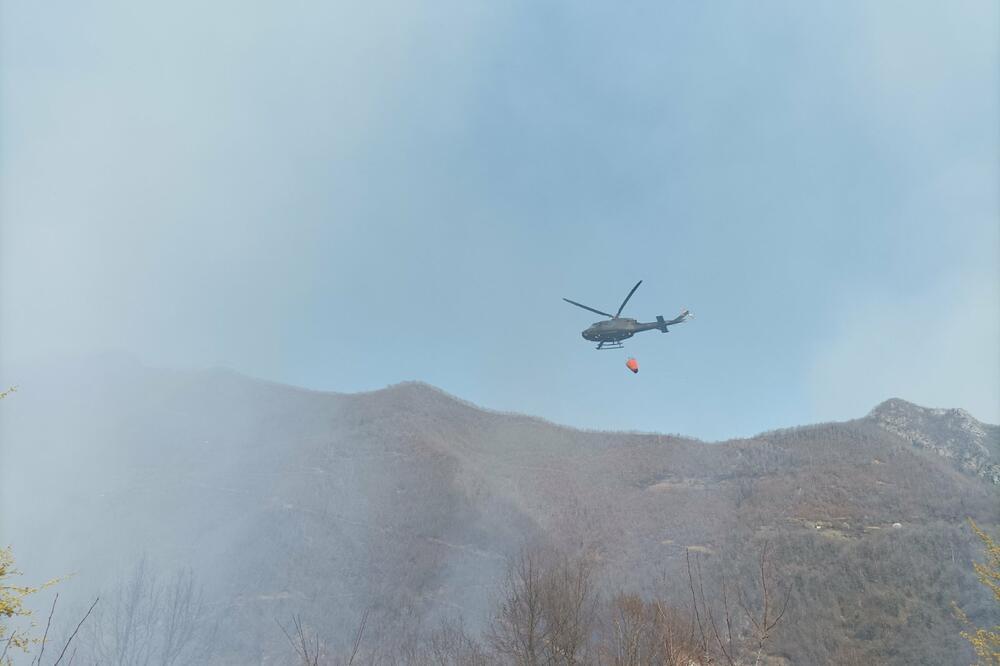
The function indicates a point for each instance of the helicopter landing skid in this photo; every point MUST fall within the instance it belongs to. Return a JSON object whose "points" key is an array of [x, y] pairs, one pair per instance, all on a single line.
{"points": [[610, 345]]}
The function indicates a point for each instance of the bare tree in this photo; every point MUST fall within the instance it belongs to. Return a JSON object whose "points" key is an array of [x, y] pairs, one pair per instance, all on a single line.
{"points": [[568, 600], [646, 633], [449, 645], [546, 610], [519, 631], [723, 639], [677, 648], [39, 659], [715, 629], [150, 622], [309, 649], [312, 651], [631, 630], [771, 606]]}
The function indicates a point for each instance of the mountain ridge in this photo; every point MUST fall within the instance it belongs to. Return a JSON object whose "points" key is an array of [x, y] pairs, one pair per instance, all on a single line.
{"points": [[323, 503]]}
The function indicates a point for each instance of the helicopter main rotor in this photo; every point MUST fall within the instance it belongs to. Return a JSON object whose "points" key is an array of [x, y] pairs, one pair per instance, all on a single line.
{"points": [[612, 316]]}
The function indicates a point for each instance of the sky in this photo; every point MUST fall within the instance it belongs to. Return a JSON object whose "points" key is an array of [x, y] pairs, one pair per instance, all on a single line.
{"points": [[343, 196]]}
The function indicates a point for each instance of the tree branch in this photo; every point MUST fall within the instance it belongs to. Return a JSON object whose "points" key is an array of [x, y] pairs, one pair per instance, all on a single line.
{"points": [[73, 635]]}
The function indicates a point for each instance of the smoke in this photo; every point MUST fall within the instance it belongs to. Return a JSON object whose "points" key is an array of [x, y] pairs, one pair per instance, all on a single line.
{"points": [[937, 348]]}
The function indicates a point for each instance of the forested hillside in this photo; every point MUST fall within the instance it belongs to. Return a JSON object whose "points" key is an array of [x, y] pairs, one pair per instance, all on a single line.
{"points": [[410, 504]]}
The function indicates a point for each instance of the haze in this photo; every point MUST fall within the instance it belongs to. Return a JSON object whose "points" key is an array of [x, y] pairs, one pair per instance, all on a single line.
{"points": [[232, 233]]}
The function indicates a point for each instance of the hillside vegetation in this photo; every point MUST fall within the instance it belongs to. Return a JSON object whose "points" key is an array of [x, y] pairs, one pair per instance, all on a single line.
{"points": [[408, 504]]}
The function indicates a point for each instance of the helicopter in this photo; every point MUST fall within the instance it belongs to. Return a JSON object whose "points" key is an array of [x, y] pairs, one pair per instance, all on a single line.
{"points": [[610, 334]]}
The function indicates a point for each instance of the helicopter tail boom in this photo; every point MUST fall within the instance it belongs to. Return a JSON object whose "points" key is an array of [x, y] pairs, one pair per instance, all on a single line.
{"points": [[662, 323]]}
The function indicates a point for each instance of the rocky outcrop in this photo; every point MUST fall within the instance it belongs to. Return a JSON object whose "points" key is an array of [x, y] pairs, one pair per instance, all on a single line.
{"points": [[972, 446]]}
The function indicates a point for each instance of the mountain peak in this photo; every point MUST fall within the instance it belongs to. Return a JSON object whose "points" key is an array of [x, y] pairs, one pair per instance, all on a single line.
{"points": [[897, 407], [972, 446]]}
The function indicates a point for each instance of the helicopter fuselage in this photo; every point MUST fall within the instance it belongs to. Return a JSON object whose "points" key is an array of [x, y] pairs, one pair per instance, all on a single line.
{"points": [[616, 330]]}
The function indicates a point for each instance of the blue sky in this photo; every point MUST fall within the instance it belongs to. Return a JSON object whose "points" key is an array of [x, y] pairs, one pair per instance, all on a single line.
{"points": [[343, 197]]}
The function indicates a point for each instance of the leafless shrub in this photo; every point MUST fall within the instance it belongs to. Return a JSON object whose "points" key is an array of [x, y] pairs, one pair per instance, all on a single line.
{"points": [[646, 633], [450, 645], [549, 614], [309, 649]]}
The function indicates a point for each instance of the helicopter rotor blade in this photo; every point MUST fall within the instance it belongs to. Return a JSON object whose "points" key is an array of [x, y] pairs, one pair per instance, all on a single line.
{"points": [[587, 307], [626, 298]]}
